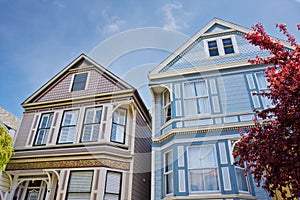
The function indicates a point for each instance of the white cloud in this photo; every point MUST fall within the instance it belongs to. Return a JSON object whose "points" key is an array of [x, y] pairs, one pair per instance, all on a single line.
{"points": [[171, 20], [113, 24]]}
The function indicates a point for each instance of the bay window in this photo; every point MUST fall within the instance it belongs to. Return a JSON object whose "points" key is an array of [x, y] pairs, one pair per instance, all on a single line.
{"points": [[203, 170]]}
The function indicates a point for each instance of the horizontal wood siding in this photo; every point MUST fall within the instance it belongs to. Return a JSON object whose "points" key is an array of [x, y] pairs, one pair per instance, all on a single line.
{"points": [[233, 93], [142, 161], [24, 130]]}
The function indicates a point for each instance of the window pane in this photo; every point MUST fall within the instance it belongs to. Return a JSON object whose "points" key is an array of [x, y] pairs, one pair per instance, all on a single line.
{"points": [[117, 133], [201, 89], [79, 196], [70, 118], [119, 116], [113, 182], [202, 157], [212, 44], [189, 90], [213, 48], [111, 197], [169, 183], [204, 180], [168, 162], [241, 179], [80, 181], [228, 47], [190, 107], [203, 106], [79, 82]]}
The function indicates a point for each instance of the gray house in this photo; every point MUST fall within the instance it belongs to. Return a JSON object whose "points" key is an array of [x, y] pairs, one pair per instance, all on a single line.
{"points": [[85, 134]]}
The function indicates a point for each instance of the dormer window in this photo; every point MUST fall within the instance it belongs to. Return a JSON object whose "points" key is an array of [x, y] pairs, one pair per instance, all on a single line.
{"points": [[220, 46], [213, 48], [79, 82], [228, 47]]}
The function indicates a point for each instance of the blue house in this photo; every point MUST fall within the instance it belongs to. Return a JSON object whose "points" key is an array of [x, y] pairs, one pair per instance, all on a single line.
{"points": [[202, 96]]}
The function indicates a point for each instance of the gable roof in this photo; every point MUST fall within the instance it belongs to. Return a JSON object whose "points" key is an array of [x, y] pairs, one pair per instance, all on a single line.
{"points": [[8, 119], [76, 61], [214, 27]]}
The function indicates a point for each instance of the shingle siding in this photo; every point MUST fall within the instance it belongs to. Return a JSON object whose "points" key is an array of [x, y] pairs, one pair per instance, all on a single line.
{"points": [[97, 84]]}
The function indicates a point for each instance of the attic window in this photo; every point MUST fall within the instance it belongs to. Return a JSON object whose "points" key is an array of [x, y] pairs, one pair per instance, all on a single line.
{"points": [[213, 48], [221, 46], [79, 81]]}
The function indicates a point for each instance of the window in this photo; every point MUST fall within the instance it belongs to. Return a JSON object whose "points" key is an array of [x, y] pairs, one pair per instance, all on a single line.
{"points": [[80, 185], [36, 190], [79, 81], [91, 125], [118, 126], [242, 180], [220, 46], [168, 172], [213, 48], [167, 105], [263, 87], [68, 127], [202, 168], [113, 186], [196, 98], [44, 128], [228, 47]]}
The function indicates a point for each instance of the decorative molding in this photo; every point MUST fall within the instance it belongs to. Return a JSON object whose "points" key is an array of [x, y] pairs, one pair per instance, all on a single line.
{"points": [[69, 164], [217, 196], [203, 129]]}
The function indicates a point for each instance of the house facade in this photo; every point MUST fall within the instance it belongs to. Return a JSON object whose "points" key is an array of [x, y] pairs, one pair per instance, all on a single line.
{"points": [[85, 134], [202, 98]]}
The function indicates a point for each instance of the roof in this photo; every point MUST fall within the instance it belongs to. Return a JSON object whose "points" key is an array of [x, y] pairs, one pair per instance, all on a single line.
{"points": [[9, 119]]}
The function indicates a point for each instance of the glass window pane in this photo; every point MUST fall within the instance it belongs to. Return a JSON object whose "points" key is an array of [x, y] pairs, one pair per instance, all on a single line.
{"points": [[261, 80], [190, 107], [113, 182], [80, 181], [204, 180], [201, 88], [189, 90], [203, 106], [79, 82], [169, 183], [111, 197], [212, 44], [241, 179]]}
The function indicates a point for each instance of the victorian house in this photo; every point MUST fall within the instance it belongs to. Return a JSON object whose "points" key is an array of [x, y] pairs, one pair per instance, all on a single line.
{"points": [[85, 134], [202, 97]]}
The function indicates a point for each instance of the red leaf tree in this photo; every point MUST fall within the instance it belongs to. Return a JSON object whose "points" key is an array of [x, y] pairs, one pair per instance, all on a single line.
{"points": [[271, 147]]}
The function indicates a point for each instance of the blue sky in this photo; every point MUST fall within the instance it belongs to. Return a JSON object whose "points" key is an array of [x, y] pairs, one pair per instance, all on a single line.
{"points": [[38, 38]]}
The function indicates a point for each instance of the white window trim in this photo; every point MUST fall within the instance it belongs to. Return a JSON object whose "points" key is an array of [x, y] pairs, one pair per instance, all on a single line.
{"points": [[167, 173], [217, 169], [86, 83], [220, 45]]}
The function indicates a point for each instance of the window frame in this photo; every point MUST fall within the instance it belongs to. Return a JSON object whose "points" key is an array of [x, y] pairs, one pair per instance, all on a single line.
{"points": [[69, 181], [47, 129], [117, 124], [120, 186], [73, 79], [61, 126], [189, 169], [166, 106], [220, 46], [168, 173], [207, 96], [91, 124]]}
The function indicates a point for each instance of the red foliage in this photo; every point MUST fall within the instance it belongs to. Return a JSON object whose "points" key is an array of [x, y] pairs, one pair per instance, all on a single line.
{"points": [[271, 148]]}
